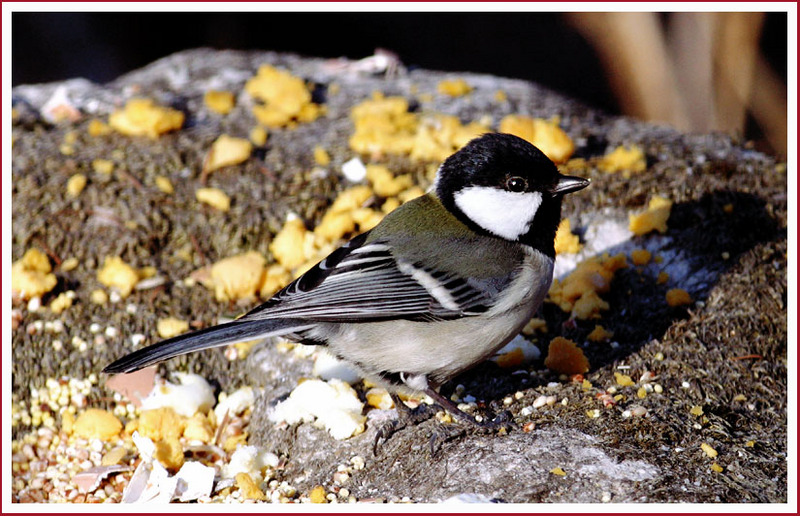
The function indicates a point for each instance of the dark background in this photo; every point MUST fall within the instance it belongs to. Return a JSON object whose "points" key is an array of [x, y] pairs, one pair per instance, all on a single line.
{"points": [[541, 47]]}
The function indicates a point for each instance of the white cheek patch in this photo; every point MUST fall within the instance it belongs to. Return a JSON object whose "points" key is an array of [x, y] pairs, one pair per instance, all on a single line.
{"points": [[506, 214]]}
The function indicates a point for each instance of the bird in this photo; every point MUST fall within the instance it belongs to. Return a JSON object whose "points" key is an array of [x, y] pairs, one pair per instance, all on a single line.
{"points": [[438, 286]]}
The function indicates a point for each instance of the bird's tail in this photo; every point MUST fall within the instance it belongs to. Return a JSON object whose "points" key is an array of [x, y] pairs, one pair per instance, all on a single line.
{"points": [[220, 335]]}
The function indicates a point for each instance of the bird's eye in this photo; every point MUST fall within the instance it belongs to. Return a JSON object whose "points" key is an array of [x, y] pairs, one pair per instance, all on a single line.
{"points": [[516, 184]]}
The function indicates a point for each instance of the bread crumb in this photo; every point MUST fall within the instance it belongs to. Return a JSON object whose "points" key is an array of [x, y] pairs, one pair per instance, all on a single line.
{"points": [[288, 246], [214, 197], [169, 453], [599, 334], [118, 275], [566, 241], [258, 135], [708, 450], [221, 102], [678, 297], [171, 327], [98, 128], [321, 156], [286, 98], [238, 277], [226, 151], [142, 117], [31, 275], [564, 356], [624, 159], [161, 423], [103, 166], [97, 424], [453, 87], [75, 184], [164, 185], [623, 380], [546, 135], [317, 495], [654, 218], [248, 487]]}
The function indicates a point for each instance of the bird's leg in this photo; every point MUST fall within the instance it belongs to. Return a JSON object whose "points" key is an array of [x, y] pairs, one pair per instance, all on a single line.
{"points": [[406, 416], [502, 420]]}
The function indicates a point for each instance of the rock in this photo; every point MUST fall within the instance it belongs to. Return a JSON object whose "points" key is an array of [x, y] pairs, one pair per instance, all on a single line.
{"points": [[725, 245]]}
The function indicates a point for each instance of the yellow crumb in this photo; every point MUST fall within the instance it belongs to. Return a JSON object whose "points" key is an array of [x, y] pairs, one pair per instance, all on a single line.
{"points": [[164, 184], [623, 380], [103, 166], [161, 423], [317, 495], [624, 159], [544, 134], [654, 218], [258, 135], [98, 296], [199, 428], [117, 274], [248, 488], [535, 325], [386, 184], [288, 246], [275, 278], [76, 184], [564, 356], [566, 241], [214, 197], [678, 297], [226, 151], [379, 398], [60, 303], [221, 102], [286, 98], [69, 264], [169, 453], [98, 128], [97, 424], [113, 456], [663, 277], [708, 450], [142, 117], [31, 275], [170, 327], [321, 156], [599, 334], [453, 87], [238, 277]]}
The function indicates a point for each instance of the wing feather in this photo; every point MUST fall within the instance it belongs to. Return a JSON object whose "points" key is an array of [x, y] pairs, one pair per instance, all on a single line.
{"points": [[363, 282]]}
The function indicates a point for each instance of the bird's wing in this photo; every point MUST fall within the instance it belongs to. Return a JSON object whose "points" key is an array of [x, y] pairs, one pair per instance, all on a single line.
{"points": [[362, 282]]}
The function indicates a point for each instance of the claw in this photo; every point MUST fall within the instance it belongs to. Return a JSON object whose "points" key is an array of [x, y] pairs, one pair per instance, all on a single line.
{"points": [[405, 417]]}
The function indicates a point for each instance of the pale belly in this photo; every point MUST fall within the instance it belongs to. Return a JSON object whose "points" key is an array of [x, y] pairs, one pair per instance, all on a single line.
{"points": [[442, 349]]}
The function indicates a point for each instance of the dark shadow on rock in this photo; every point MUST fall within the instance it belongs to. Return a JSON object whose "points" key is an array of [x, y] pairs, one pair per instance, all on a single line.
{"points": [[704, 239]]}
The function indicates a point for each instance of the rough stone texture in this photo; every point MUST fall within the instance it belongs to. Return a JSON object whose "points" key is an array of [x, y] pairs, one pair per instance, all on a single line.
{"points": [[733, 342]]}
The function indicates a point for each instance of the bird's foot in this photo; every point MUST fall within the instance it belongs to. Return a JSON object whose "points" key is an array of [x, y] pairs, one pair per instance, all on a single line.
{"points": [[503, 421], [406, 416]]}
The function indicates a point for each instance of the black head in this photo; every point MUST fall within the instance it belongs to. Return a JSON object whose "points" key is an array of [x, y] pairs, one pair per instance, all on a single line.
{"points": [[499, 184]]}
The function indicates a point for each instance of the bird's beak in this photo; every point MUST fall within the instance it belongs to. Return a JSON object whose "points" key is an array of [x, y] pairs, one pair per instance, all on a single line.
{"points": [[569, 184]]}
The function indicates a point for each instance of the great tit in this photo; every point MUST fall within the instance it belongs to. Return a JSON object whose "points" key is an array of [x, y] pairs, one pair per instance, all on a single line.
{"points": [[441, 284]]}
